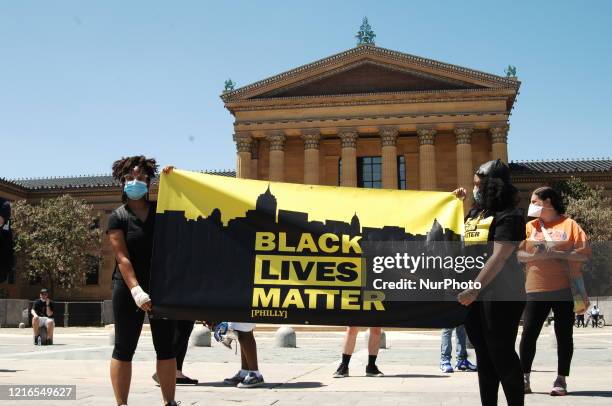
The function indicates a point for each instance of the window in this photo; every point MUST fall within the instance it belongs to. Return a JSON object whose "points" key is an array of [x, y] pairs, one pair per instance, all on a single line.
{"points": [[401, 172], [93, 270], [369, 172]]}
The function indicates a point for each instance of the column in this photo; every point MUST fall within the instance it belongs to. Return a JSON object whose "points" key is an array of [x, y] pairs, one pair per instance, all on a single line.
{"points": [[349, 157], [465, 170], [243, 152], [499, 143], [255, 159], [277, 156], [311, 139], [388, 138], [427, 159]]}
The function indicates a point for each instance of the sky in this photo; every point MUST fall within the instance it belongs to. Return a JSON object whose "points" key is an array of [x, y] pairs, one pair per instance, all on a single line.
{"points": [[85, 83]]}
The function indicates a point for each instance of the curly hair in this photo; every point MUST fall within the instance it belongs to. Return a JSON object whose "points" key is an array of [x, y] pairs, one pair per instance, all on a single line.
{"points": [[497, 194], [124, 166]]}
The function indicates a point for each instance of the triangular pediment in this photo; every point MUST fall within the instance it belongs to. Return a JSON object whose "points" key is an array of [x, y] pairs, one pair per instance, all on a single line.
{"points": [[368, 77], [367, 70]]}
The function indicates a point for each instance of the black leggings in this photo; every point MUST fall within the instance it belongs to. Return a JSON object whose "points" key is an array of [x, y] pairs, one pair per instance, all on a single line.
{"points": [[492, 328], [534, 317], [128, 325], [181, 340]]}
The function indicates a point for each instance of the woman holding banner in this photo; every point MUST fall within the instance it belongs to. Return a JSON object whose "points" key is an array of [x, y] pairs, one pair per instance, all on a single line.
{"points": [[130, 231], [494, 226], [554, 252]]}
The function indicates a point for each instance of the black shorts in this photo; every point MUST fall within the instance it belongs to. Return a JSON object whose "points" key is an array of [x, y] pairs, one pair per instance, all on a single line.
{"points": [[128, 325]]}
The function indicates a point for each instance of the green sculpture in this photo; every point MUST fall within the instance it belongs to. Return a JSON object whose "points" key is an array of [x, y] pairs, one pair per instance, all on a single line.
{"points": [[229, 85], [510, 71], [365, 35]]}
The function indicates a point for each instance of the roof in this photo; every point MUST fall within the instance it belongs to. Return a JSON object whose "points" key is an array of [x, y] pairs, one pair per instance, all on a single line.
{"points": [[365, 51], [562, 166], [86, 181]]}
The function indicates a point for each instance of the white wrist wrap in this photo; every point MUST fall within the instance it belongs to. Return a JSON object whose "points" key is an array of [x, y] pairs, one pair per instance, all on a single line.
{"points": [[139, 295]]}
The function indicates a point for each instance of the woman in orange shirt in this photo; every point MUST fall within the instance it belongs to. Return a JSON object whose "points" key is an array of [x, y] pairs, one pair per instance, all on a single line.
{"points": [[554, 251]]}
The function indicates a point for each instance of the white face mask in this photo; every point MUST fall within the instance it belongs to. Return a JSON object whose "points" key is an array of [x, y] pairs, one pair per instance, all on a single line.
{"points": [[534, 210]]}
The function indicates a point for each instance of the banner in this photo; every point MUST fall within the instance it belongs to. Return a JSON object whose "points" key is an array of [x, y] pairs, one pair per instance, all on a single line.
{"points": [[230, 249]]}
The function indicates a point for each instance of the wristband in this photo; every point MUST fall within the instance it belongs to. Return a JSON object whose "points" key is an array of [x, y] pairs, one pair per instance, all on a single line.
{"points": [[139, 295]]}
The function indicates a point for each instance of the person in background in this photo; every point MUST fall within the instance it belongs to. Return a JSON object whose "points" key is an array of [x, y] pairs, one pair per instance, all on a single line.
{"points": [[554, 252], [594, 315], [494, 227], [42, 315], [6, 240], [462, 364], [349, 347], [130, 231]]}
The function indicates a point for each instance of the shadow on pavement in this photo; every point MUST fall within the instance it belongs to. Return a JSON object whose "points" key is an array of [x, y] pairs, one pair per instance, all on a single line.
{"points": [[592, 393], [415, 376], [269, 385]]}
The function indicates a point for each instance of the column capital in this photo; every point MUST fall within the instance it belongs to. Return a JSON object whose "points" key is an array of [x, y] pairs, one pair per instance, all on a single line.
{"points": [[243, 141], [388, 136], [349, 137], [276, 139], [311, 138], [463, 135], [499, 134], [426, 136]]}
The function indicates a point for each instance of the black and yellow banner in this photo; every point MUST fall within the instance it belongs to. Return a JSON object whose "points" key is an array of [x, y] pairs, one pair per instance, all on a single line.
{"points": [[231, 249]]}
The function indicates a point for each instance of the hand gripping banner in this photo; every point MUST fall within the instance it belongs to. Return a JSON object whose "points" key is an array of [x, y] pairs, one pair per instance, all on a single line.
{"points": [[244, 250]]}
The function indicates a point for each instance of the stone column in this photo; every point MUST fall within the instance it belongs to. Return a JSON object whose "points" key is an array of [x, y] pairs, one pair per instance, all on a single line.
{"points": [[243, 161], [427, 159], [465, 170], [311, 139], [349, 157], [277, 156], [388, 138], [255, 159], [499, 143]]}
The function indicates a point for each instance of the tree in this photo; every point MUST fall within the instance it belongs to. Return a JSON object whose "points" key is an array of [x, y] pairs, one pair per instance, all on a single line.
{"points": [[54, 239], [593, 211]]}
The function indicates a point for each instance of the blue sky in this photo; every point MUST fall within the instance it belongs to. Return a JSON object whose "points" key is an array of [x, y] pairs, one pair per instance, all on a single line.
{"points": [[84, 83]]}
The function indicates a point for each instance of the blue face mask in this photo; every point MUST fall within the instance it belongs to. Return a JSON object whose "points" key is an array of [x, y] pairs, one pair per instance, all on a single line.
{"points": [[135, 189], [477, 196]]}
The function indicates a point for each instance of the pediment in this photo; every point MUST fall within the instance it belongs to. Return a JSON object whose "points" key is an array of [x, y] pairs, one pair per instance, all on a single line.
{"points": [[367, 70], [368, 77]]}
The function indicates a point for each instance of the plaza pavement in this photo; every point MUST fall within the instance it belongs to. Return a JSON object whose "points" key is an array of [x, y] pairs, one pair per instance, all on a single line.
{"points": [[297, 376]]}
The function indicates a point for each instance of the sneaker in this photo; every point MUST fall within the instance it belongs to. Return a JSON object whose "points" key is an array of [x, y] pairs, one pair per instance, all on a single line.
{"points": [[341, 372], [234, 380], [446, 367], [372, 370], [251, 381], [465, 365], [559, 388]]}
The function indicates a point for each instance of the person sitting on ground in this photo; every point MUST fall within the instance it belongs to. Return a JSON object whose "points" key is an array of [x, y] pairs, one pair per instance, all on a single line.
{"points": [[42, 315], [463, 364]]}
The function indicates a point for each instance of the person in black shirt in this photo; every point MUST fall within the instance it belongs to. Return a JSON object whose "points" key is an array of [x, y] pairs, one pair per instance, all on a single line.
{"points": [[130, 230], [42, 315], [493, 228], [6, 240]]}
